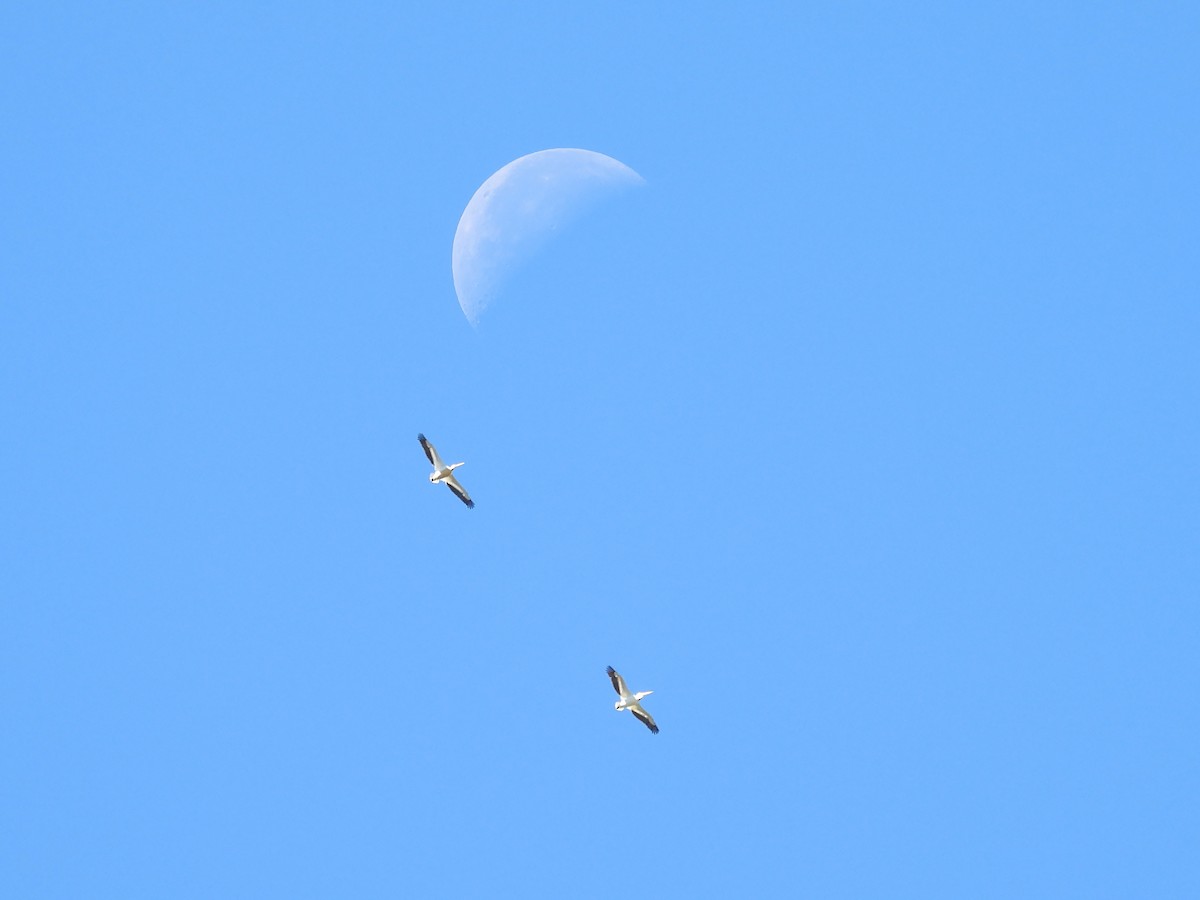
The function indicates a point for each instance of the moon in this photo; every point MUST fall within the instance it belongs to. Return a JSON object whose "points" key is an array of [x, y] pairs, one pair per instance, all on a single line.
{"points": [[521, 206]]}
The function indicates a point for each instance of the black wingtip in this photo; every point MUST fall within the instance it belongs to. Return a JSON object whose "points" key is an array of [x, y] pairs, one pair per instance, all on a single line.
{"points": [[611, 671], [421, 438]]}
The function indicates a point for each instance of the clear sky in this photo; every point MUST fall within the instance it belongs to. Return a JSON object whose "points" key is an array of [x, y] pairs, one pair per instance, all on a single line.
{"points": [[865, 434]]}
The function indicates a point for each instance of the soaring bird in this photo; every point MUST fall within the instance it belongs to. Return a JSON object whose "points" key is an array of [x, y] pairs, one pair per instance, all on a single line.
{"points": [[445, 473], [630, 701]]}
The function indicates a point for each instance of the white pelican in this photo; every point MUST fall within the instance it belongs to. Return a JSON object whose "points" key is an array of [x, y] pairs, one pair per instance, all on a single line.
{"points": [[445, 473], [631, 701]]}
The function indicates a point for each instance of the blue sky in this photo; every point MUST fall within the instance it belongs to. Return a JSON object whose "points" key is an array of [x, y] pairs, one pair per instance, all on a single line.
{"points": [[864, 434]]}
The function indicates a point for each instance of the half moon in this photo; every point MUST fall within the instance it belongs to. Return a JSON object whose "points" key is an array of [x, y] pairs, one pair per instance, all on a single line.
{"points": [[516, 210]]}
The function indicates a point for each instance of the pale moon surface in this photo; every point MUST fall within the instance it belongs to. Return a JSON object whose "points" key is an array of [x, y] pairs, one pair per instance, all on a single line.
{"points": [[518, 208]]}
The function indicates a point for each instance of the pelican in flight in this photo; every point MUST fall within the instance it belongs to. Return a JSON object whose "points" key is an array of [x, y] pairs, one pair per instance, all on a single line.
{"points": [[631, 702], [445, 473]]}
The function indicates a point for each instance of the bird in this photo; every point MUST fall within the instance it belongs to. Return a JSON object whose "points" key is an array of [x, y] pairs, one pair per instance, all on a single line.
{"points": [[445, 473], [630, 701]]}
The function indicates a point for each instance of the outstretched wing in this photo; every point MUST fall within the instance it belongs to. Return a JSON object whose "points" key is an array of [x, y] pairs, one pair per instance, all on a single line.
{"points": [[618, 682], [430, 453], [452, 483], [647, 719]]}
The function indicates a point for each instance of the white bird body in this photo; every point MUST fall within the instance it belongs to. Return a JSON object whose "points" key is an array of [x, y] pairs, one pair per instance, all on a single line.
{"points": [[445, 473], [631, 701], [441, 473]]}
